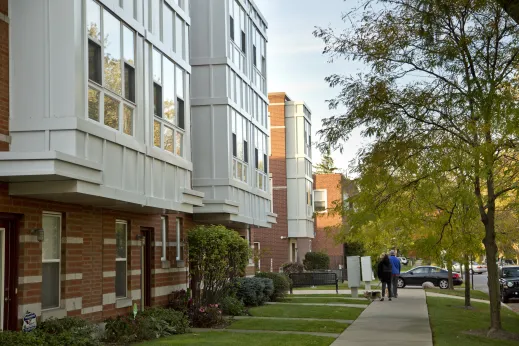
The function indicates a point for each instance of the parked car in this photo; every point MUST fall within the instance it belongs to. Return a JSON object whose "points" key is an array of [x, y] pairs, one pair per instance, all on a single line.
{"points": [[456, 266], [509, 283], [403, 260], [478, 268], [439, 277]]}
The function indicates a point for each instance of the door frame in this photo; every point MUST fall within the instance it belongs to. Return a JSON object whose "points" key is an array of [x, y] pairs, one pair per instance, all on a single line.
{"points": [[146, 266], [2, 274], [11, 238]]}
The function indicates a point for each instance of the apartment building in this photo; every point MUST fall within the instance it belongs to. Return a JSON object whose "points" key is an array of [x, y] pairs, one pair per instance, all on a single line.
{"points": [[331, 190], [97, 156], [291, 178]]}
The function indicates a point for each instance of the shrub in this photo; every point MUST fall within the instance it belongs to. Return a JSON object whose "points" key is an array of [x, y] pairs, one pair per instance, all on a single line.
{"points": [[180, 300], [207, 316], [69, 331], [150, 324], [289, 268], [316, 261], [254, 291], [232, 306], [22, 339], [281, 284], [217, 255]]}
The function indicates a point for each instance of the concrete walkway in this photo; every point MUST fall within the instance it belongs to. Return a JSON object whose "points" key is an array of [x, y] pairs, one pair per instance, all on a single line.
{"points": [[401, 322]]}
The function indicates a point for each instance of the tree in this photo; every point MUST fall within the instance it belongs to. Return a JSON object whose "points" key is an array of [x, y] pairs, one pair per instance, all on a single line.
{"points": [[440, 94], [327, 165]]}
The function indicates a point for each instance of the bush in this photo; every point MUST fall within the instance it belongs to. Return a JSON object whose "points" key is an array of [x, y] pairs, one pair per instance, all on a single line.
{"points": [[281, 284], [316, 261], [180, 300], [22, 339], [68, 331], [207, 316], [217, 255], [289, 268], [150, 324], [254, 291], [232, 306]]}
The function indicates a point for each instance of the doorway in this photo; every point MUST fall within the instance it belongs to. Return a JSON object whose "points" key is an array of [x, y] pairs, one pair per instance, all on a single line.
{"points": [[8, 271], [146, 266]]}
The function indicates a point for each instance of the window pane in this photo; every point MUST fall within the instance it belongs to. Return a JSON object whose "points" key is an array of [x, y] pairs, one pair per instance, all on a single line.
{"points": [[168, 139], [179, 143], [120, 239], [168, 27], [186, 41], [120, 279], [129, 45], [179, 35], [156, 134], [157, 100], [181, 116], [111, 112], [50, 285], [157, 66], [169, 90], [51, 241], [94, 20], [128, 120], [94, 62], [93, 104], [155, 17], [128, 6], [112, 44], [129, 82], [180, 82]]}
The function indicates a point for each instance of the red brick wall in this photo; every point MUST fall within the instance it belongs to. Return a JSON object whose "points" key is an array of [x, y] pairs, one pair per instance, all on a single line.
{"points": [[4, 77], [93, 255], [272, 246], [326, 225]]}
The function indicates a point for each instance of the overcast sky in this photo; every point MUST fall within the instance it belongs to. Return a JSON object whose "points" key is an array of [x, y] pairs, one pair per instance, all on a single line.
{"points": [[296, 64]]}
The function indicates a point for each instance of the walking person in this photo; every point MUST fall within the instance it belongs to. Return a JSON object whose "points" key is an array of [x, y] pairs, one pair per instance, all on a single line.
{"points": [[395, 271], [384, 274]]}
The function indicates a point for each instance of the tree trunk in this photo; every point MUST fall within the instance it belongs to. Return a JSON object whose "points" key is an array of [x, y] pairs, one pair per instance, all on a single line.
{"points": [[493, 281], [449, 269], [467, 281]]}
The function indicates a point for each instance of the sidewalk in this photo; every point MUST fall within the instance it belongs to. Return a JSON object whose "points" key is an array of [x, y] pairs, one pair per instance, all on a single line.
{"points": [[401, 322]]}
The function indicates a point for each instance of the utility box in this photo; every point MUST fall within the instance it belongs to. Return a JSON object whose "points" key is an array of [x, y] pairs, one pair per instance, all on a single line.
{"points": [[353, 271], [367, 271]]}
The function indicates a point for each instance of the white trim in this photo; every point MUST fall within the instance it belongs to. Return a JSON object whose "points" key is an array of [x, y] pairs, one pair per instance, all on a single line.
{"points": [[178, 243], [72, 304], [109, 274], [72, 240], [135, 272], [2, 276], [168, 270], [122, 259], [109, 298], [72, 276], [4, 18], [165, 290], [21, 279], [164, 237], [109, 241], [54, 260], [91, 309], [28, 238], [321, 200]]}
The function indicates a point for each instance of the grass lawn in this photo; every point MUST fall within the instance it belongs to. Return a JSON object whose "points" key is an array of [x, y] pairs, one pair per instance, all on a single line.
{"points": [[242, 339], [449, 320], [460, 293], [306, 311], [325, 300], [333, 295], [342, 286], [294, 325]]}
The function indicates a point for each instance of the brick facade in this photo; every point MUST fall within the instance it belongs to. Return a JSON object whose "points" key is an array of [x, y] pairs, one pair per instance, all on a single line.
{"points": [[275, 250]]}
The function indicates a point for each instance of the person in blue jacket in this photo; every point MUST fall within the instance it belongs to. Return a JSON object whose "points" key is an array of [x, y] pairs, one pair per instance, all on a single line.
{"points": [[395, 271]]}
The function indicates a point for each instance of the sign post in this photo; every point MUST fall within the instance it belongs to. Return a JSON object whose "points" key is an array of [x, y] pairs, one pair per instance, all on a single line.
{"points": [[353, 274]]}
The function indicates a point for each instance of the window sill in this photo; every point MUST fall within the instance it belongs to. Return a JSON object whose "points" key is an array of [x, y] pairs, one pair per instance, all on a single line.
{"points": [[123, 302], [181, 264], [53, 313], [165, 264]]}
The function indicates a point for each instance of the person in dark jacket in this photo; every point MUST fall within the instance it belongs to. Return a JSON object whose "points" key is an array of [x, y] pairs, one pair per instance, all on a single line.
{"points": [[384, 275]]}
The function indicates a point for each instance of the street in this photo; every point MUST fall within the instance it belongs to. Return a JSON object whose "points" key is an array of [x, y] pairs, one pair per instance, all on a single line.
{"points": [[480, 284]]}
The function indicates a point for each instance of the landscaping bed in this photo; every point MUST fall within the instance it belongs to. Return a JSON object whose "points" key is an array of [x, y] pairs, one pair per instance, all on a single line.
{"points": [[452, 324]]}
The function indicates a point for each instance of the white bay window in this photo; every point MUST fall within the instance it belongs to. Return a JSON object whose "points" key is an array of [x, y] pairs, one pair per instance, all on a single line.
{"points": [[121, 259], [51, 261]]}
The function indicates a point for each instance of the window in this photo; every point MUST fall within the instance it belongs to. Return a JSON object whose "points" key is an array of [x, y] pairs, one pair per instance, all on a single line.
{"points": [[254, 54], [111, 69], [155, 22], [231, 27], [240, 139], [320, 200], [164, 233], [180, 255], [168, 101], [51, 261], [121, 236], [179, 36], [309, 197], [169, 19], [260, 159]]}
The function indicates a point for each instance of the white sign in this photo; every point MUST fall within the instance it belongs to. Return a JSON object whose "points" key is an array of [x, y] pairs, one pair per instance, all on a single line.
{"points": [[367, 272], [353, 263], [29, 321]]}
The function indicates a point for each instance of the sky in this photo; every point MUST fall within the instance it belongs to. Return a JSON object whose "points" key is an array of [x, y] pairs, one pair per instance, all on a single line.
{"points": [[297, 66]]}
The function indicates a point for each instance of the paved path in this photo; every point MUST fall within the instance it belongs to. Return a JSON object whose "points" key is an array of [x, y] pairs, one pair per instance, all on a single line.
{"points": [[361, 306], [401, 322], [229, 330], [293, 319]]}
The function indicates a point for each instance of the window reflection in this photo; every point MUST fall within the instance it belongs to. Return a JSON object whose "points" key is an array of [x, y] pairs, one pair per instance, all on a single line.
{"points": [[112, 52], [111, 112], [169, 90], [94, 20]]}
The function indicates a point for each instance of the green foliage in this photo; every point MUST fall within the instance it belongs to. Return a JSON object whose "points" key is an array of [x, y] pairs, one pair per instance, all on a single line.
{"points": [[217, 255], [207, 316], [327, 165], [292, 267], [68, 331], [281, 284], [22, 339], [232, 306], [316, 260], [150, 324], [254, 291]]}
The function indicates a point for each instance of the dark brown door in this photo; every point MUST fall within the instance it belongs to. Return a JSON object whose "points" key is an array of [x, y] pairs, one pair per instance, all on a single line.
{"points": [[146, 272], [9, 266]]}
